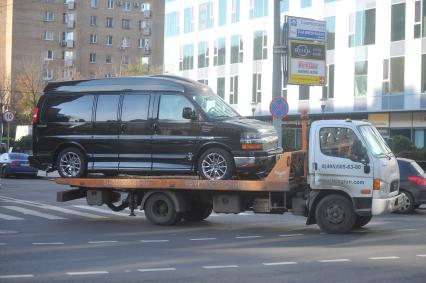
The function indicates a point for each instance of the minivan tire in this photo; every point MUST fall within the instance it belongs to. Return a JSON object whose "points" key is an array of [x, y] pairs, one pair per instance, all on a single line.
{"points": [[409, 205], [216, 164], [71, 163]]}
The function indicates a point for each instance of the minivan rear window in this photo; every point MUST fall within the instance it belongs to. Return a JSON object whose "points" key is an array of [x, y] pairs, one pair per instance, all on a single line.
{"points": [[135, 107], [67, 108]]}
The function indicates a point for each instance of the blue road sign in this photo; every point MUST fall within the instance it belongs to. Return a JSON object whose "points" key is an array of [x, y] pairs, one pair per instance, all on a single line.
{"points": [[278, 108]]}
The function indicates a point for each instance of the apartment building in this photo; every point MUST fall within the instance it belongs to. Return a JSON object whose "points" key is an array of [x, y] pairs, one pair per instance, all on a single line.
{"points": [[376, 58], [80, 38]]}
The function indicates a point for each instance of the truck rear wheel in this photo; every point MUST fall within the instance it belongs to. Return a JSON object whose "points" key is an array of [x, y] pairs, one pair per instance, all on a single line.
{"points": [[160, 210], [198, 212], [335, 214]]}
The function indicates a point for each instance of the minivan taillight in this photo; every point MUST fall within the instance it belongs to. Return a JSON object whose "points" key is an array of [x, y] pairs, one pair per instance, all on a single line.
{"points": [[35, 116], [418, 180]]}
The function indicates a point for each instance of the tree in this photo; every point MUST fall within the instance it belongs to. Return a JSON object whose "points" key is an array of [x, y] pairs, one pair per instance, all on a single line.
{"points": [[142, 69], [5, 91], [30, 85]]}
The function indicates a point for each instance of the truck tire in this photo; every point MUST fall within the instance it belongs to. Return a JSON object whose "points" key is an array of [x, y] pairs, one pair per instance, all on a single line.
{"points": [[160, 210], [198, 212], [71, 163], [335, 214], [408, 206], [216, 164], [361, 221]]}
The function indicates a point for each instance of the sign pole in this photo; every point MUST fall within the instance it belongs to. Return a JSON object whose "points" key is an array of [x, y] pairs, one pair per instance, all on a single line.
{"points": [[276, 72], [8, 136]]}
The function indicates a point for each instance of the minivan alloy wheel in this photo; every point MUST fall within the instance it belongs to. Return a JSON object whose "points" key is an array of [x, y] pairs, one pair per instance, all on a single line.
{"points": [[70, 164], [214, 166]]}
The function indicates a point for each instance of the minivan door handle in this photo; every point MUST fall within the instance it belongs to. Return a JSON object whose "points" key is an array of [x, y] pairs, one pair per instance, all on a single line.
{"points": [[123, 128], [41, 126], [154, 126]]}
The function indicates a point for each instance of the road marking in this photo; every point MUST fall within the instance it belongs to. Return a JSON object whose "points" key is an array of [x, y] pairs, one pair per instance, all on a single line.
{"points": [[421, 255], [52, 243], [219, 266], [334, 260], [202, 239], [34, 213], [406, 230], [154, 241], [384, 257], [101, 210], [76, 273], [102, 242], [279, 263], [16, 276], [2, 232], [291, 235], [247, 237], [157, 269], [9, 217], [3, 244]]}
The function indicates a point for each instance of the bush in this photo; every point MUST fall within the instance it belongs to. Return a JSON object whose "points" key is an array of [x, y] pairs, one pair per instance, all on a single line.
{"points": [[23, 144], [400, 143], [416, 154]]}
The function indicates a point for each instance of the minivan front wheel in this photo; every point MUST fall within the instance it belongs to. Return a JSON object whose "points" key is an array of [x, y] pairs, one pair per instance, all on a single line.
{"points": [[216, 164], [71, 163]]}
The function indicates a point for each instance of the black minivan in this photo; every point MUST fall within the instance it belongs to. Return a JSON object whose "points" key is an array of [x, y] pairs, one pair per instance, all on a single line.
{"points": [[146, 125]]}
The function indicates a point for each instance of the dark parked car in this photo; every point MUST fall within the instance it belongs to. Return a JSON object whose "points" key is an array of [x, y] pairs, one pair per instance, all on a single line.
{"points": [[413, 184], [16, 164], [147, 125]]}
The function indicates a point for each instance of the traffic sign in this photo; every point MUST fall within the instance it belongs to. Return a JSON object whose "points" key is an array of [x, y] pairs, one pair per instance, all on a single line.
{"points": [[278, 108], [306, 29], [8, 116]]}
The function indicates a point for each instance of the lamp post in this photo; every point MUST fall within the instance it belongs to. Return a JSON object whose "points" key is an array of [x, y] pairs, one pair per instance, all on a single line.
{"points": [[323, 104], [253, 107]]}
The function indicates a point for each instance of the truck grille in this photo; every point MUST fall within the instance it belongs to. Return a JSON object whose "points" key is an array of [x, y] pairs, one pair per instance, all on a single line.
{"points": [[394, 186]]}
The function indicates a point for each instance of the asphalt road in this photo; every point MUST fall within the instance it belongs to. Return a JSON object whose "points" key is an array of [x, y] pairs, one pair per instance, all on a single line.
{"points": [[45, 241]]}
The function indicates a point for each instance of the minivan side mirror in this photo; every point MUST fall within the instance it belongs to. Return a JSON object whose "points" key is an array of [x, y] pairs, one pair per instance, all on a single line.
{"points": [[359, 153], [188, 113]]}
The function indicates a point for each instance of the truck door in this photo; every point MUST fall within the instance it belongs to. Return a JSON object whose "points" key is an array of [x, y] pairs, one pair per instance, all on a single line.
{"points": [[336, 167]]}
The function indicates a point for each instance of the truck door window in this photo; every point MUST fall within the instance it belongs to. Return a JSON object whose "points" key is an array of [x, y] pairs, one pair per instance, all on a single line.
{"points": [[337, 142], [171, 107]]}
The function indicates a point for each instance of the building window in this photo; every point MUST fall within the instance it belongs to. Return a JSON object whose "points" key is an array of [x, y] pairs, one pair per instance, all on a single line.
{"points": [[203, 54], [205, 16], [110, 4], [305, 3], [145, 7], [125, 42], [48, 55], [92, 57], [143, 43], [417, 19], [48, 35], [109, 22], [172, 24], [108, 59], [423, 79], [188, 57], [127, 6], [260, 45], [222, 12], [125, 60], [258, 8], [48, 16], [93, 39], [219, 52], [125, 24], [393, 76], [424, 18], [94, 3], [235, 12], [203, 81], [361, 76], [93, 21], [330, 88], [331, 32], [188, 20], [398, 22], [284, 6], [362, 28], [47, 74], [304, 92], [233, 90], [236, 49], [145, 60], [256, 95], [108, 40], [221, 87]]}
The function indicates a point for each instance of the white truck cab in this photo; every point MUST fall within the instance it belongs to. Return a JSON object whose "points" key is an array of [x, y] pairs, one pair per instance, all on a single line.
{"points": [[352, 158]]}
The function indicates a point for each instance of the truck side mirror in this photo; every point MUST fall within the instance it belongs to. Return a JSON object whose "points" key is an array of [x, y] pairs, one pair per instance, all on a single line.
{"points": [[188, 113], [359, 153]]}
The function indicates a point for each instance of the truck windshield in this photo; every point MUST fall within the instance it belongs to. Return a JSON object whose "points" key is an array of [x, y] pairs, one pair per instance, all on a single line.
{"points": [[215, 107], [374, 140]]}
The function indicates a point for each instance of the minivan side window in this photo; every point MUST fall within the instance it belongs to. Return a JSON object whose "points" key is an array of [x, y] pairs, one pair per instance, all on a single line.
{"points": [[337, 142], [171, 107], [106, 109], [67, 108], [135, 107]]}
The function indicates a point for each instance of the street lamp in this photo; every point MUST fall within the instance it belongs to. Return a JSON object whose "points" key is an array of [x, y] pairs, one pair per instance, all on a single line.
{"points": [[323, 104], [253, 107]]}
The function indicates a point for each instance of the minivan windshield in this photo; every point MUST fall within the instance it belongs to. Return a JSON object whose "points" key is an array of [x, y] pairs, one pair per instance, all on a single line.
{"points": [[375, 141], [214, 106]]}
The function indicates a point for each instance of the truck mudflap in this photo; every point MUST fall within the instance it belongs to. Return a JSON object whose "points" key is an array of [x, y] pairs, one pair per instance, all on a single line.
{"points": [[387, 205]]}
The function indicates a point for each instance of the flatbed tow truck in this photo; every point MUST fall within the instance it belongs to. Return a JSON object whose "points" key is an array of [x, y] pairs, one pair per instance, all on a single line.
{"points": [[339, 189]]}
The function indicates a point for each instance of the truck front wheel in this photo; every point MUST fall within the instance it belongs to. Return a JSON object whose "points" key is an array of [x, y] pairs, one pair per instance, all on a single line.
{"points": [[361, 221], [335, 214], [160, 210]]}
